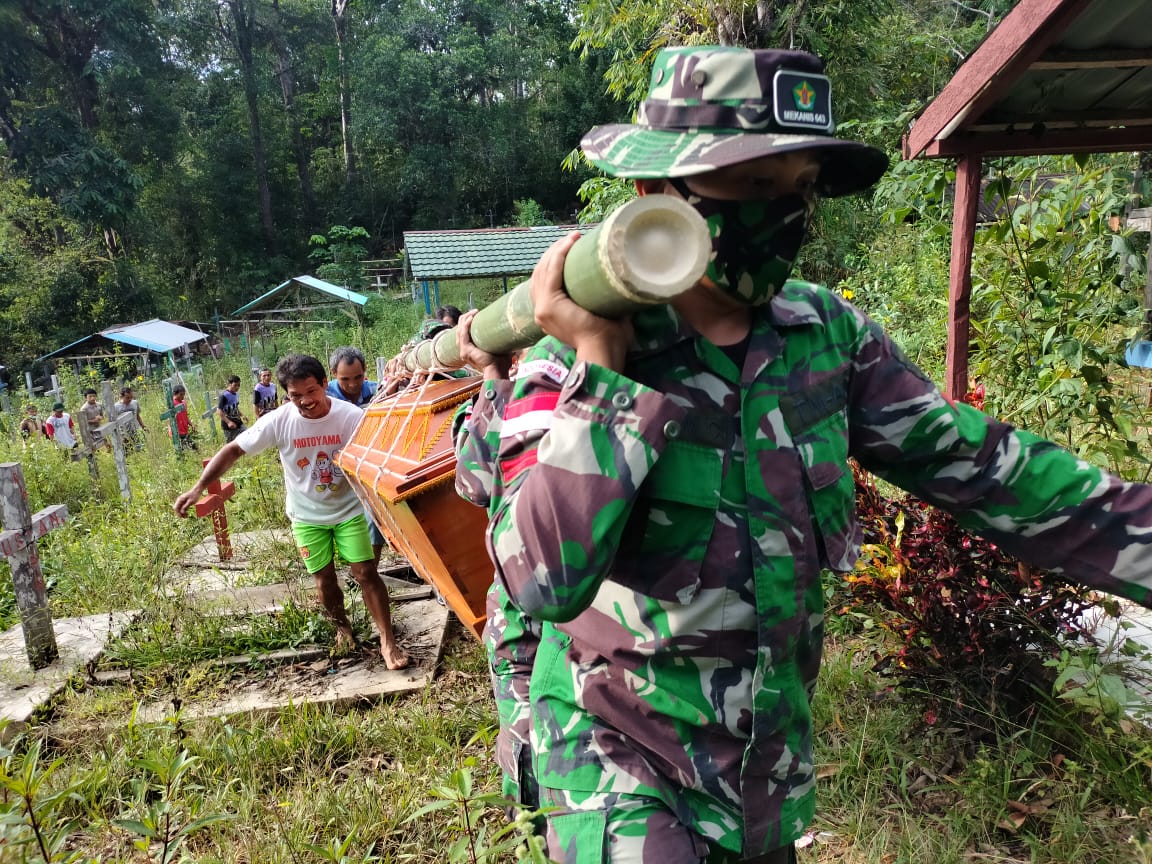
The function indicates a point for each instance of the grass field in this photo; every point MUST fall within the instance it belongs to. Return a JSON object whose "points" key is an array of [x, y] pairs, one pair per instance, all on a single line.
{"points": [[90, 783]]}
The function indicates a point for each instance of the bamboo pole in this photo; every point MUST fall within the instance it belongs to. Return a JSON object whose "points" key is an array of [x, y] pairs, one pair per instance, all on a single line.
{"points": [[647, 252]]}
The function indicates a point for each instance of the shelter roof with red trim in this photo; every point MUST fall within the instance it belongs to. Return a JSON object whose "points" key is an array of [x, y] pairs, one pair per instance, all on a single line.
{"points": [[1055, 76]]}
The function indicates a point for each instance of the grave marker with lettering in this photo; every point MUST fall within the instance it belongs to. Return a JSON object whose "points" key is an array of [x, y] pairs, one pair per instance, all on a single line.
{"points": [[18, 544]]}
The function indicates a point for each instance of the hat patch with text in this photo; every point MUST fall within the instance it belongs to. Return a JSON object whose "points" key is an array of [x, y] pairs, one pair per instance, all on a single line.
{"points": [[803, 101]]}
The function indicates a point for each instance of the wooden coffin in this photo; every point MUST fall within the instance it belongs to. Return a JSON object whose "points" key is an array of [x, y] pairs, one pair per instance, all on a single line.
{"points": [[402, 464]]}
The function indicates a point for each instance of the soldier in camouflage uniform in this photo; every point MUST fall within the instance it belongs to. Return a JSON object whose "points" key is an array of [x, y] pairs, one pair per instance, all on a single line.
{"points": [[510, 636], [665, 491]]}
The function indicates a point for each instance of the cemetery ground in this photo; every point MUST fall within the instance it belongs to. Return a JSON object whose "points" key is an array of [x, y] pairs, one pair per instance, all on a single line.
{"points": [[99, 775]]}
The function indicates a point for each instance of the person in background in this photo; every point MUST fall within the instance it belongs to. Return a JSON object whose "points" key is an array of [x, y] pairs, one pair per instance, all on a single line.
{"points": [[184, 426], [349, 377], [127, 404], [446, 317], [326, 515], [60, 429], [265, 397], [665, 490], [348, 370], [232, 419], [31, 427], [93, 413]]}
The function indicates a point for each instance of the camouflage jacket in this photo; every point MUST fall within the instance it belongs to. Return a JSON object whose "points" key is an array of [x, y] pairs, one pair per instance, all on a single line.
{"points": [[510, 636], [672, 523]]}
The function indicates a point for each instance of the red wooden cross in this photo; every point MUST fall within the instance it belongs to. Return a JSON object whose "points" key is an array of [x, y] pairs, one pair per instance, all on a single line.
{"points": [[213, 503]]}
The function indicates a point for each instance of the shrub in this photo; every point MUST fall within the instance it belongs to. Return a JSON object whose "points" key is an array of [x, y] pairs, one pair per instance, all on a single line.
{"points": [[974, 626]]}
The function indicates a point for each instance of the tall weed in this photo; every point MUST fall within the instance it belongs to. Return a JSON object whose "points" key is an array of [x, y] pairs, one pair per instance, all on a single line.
{"points": [[1055, 301]]}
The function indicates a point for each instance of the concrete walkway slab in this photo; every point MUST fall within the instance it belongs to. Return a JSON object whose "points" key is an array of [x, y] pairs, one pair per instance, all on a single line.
{"points": [[269, 599], [81, 642], [200, 570], [254, 683], [420, 625]]}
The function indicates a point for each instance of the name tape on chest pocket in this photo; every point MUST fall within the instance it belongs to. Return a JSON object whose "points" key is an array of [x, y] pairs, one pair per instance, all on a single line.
{"points": [[805, 408], [706, 428]]}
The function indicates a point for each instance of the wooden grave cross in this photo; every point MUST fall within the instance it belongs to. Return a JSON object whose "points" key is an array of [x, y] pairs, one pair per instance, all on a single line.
{"points": [[18, 544], [210, 413], [213, 504], [57, 392], [89, 450], [113, 431]]}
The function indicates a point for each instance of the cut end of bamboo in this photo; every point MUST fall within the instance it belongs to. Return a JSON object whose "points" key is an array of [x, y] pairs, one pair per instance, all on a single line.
{"points": [[655, 248]]}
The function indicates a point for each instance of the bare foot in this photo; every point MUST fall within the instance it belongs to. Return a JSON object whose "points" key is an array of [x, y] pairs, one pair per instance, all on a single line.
{"points": [[394, 658], [345, 641]]}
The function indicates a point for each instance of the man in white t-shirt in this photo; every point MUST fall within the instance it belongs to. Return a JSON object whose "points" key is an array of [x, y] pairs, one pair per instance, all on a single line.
{"points": [[326, 515], [59, 427]]}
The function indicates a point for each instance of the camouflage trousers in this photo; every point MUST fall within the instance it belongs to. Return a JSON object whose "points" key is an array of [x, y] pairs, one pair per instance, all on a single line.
{"points": [[599, 828]]}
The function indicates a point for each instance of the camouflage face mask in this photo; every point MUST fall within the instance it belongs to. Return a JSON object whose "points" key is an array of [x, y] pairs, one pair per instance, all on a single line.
{"points": [[754, 243]]}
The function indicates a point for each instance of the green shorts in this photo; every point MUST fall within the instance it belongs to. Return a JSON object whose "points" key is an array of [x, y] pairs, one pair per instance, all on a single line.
{"points": [[316, 542]]}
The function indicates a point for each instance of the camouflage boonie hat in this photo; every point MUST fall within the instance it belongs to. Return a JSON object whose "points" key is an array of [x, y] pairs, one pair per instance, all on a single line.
{"points": [[712, 107]]}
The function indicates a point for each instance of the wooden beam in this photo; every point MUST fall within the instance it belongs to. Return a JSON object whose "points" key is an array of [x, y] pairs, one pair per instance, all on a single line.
{"points": [[337, 304], [1108, 58], [1010, 49], [1057, 119], [960, 275], [1045, 143], [1036, 129]]}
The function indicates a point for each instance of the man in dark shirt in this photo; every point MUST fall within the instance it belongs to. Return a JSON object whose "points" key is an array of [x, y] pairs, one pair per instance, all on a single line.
{"points": [[228, 410], [264, 396]]}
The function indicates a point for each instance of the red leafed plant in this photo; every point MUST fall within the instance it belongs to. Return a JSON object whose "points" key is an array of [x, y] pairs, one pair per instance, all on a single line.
{"points": [[974, 625]]}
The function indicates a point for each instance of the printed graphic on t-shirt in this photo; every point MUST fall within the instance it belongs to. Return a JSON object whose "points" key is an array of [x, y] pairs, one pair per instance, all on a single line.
{"points": [[326, 473]]}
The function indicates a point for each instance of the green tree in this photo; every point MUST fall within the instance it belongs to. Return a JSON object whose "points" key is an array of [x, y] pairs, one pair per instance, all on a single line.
{"points": [[341, 255]]}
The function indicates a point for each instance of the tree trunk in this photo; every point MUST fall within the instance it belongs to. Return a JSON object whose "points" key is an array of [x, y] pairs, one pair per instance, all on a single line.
{"points": [[70, 43], [338, 9], [287, 78], [242, 35]]}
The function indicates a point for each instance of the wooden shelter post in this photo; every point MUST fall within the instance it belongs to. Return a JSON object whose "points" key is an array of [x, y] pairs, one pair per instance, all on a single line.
{"points": [[960, 274]]}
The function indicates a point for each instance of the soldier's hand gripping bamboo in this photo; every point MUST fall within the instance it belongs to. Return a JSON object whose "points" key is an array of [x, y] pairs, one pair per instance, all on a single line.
{"points": [[648, 251]]}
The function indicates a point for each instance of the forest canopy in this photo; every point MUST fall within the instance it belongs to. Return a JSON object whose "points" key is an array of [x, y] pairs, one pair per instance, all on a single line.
{"points": [[173, 157]]}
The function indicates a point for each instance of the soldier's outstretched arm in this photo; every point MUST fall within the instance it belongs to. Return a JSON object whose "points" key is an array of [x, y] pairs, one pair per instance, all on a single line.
{"points": [[1036, 500]]}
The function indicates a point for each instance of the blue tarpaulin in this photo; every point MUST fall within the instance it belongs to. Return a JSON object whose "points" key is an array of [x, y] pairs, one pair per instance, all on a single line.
{"points": [[1139, 354], [155, 335]]}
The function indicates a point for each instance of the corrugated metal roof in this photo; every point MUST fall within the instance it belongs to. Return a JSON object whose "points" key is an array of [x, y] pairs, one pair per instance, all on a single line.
{"points": [[483, 252], [307, 282], [1055, 76]]}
